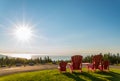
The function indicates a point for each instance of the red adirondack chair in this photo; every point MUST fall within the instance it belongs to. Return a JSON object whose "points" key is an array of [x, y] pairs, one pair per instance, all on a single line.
{"points": [[96, 62], [104, 66], [76, 63], [62, 66]]}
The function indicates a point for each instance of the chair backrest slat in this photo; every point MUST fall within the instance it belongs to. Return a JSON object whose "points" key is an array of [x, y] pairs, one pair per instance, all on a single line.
{"points": [[62, 65], [76, 61], [105, 64], [96, 60]]}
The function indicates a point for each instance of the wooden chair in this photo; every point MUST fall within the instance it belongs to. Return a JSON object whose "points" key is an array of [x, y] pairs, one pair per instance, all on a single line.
{"points": [[62, 66], [105, 65], [76, 63], [96, 62]]}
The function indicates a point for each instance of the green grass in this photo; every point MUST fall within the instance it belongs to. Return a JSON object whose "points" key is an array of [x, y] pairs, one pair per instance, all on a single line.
{"points": [[54, 75]]}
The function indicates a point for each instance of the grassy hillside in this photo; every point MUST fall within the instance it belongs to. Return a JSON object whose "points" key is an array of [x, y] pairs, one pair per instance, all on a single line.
{"points": [[54, 75]]}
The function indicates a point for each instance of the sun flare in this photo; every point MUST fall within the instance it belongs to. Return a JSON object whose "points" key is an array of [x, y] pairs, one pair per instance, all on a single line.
{"points": [[23, 33]]}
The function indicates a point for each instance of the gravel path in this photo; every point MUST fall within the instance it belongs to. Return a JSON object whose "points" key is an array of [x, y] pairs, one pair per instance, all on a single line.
{"points": [[12, 70], [116, 67]]}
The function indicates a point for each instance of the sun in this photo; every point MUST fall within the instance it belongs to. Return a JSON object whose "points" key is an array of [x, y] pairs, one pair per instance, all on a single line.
{"points": [[23, 33]]}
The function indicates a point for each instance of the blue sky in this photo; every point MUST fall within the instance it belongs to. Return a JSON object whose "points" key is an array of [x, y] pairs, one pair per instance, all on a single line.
{"points": [[62, 26]]}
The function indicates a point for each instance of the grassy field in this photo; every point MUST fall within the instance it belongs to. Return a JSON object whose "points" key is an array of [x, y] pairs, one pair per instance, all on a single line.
{"points": [[54, 75]]}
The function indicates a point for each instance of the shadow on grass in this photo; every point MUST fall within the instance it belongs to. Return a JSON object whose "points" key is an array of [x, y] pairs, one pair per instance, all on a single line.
{"points": [[92, 77], [102, 76], [74, 76], [113, 76]]}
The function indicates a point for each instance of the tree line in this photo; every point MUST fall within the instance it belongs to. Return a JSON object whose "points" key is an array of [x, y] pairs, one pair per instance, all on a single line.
{"points": [[7, 61], [10, 61], [112, 58]]}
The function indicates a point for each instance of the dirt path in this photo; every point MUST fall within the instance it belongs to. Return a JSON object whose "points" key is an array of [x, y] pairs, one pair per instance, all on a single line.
{"points": [[116, 67], [12, 70]]}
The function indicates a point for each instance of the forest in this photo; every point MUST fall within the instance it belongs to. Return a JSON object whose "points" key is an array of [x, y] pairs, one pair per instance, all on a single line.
{"points": [[10, 61]]}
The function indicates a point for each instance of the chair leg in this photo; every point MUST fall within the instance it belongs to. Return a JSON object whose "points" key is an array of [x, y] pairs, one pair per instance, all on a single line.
{"points": [[80, 71], [71, 71], [88, 68]]}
